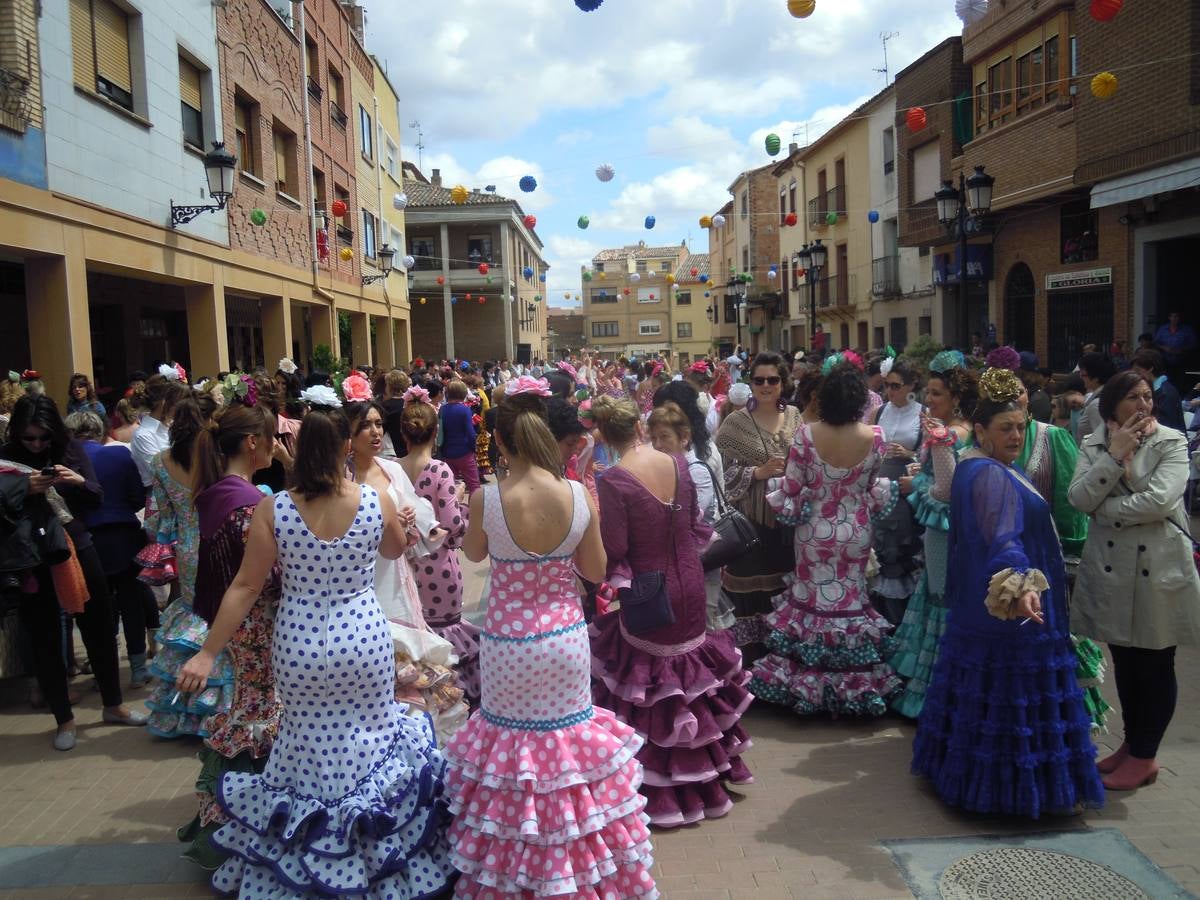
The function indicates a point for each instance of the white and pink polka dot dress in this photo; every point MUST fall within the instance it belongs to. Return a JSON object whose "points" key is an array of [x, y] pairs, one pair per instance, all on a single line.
{"points": [[543, 785]]}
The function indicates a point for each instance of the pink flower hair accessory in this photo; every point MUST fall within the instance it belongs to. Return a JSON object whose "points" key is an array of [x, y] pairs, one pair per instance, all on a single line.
{"points": [[527, 384], [417, 394], [356, 388], [565, 366]]}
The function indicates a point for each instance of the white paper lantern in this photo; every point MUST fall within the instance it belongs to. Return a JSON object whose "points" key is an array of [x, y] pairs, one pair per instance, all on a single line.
{"points": [[635, 277], [409, 262], [399, 201], [970, 11], [605, 172], [718, 221]]}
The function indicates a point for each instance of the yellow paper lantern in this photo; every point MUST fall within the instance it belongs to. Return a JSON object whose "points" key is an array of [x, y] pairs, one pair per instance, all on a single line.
{"points": [[801, 9], [346, 253], [670, 278], [600, 275], [459, 194], [423, 301], [706, 221], [1104, 85]]}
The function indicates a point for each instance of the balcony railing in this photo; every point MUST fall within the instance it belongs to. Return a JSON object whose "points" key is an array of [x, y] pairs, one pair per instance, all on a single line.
{"points": [[345, 235], [314, 89], [823, 291], [338, 114], [815, 217], [835, 200], [885, 276], [841, 290]]}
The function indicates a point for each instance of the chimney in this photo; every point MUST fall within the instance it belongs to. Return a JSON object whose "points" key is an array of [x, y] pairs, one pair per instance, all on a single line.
{"points": [[435, 178], [793, 147]]}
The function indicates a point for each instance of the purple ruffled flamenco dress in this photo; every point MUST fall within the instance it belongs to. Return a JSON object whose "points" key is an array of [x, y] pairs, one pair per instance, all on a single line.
{"points": [[681, 687]]}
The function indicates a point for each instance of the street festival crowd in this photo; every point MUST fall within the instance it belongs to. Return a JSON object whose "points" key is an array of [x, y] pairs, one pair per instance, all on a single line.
{"points": [[947, 535]]}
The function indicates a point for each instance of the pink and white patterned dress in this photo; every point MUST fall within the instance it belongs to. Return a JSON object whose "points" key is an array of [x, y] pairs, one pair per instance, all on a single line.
{"points": [[827, 642], [543, 785]]}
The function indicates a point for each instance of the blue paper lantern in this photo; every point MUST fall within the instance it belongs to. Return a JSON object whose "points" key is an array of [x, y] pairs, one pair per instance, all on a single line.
{"points": [[542, 278], [527, 183], [706, 293], [527, 272], [649, 221], [873, 216], [703, 279], [453, 299], [589, 5]]}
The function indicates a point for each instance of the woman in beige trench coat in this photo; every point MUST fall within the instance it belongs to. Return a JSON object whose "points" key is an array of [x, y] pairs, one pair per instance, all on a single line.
{"points": [[1137, 588]]}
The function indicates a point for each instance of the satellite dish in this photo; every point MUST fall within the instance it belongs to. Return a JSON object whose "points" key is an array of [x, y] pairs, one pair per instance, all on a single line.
{"points": [[970, 11]]}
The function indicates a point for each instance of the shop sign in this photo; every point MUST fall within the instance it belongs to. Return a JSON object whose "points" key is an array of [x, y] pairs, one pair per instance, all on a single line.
{"points": [[946, 267], [1061, 281]]}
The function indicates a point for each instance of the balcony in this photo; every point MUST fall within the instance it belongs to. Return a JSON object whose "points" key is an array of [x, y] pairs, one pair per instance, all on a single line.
{"points": [[885, 276], [338, 115], [824, 291], [463, 273], [833, 292], [816, 216], [835, 200], [314, 89], [345, 235]]}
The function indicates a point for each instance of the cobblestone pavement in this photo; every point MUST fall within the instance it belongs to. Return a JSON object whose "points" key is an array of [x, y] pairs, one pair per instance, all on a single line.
{"points": [[826, 794]]}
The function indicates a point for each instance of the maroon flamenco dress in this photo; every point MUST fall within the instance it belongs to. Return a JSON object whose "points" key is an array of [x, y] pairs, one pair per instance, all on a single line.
{"points": [[681, 687]]}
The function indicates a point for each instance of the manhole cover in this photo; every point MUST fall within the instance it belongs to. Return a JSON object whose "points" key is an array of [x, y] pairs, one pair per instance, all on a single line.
{"points": [[1016, 873]]}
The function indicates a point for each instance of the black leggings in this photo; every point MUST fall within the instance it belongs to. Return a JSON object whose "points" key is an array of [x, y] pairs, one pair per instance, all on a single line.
{"points": [[1147, 688], [136, 608]]}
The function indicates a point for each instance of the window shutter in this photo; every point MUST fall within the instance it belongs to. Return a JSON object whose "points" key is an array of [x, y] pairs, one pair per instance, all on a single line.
{"points": [[280, 160], [189, 84], [112, 44], [81, 45], [240, 122]]}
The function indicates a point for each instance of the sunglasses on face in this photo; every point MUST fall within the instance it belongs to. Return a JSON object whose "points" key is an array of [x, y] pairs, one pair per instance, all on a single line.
{"points": [[772, 380]]}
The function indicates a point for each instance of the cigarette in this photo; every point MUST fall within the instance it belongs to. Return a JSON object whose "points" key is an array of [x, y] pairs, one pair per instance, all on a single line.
{"points": [[1027, 621]]}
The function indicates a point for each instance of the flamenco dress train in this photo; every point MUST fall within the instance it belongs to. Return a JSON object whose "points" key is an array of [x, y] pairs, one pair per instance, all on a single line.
{"points": [[543, 784], [350, 802]]}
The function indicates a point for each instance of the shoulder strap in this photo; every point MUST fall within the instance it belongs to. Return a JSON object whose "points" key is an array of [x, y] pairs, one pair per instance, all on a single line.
{"points": [[718, 490]]}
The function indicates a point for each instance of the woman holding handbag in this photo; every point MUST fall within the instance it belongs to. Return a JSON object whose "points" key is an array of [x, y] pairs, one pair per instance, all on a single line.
{"points": [[653, 662]]}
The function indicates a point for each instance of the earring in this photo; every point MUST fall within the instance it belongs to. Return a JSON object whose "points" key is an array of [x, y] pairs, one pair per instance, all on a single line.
{"points": [[780, 405], [956, 412], [912, 398], [752, 404]]}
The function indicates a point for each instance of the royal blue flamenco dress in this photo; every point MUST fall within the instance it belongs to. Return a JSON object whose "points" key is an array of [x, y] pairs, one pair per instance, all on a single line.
{"points": [[1004, 728]]}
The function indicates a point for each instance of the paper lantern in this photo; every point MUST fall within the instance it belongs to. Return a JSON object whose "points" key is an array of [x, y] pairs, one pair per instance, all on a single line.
{"points": [[670, 278], [453, 299], [706, 221], [576, 298], [1104, 85], [801, 272], [704, 279], [399, 201], [527, 272], [338, 208], [537, 298], [530, 222], [583, 222], [482, 299], [589, 5], [346, 253], [706, 293], [801, 9], [790, 219], [488, 279], [772, 144], [587, 276], [423, 301], [970, 11], [441, 279], [651, 296], [772, 273], [718, 221], [258, 217], [626, 292], [468, 298], [831, 218], [635, 277], [600, 275], [873, 216], [1105, 10], [459, 194], [916, 119], [483, 268], [566, 295], [542, 278], [527, 183], [605, 172], [695, 271], [649, 221]]}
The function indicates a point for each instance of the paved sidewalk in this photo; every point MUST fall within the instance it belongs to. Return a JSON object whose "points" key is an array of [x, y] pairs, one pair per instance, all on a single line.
{"points": [[826, 794]]}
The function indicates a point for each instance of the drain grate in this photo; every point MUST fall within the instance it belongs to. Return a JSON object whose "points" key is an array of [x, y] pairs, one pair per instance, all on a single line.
{"points": [[1017, 873]]}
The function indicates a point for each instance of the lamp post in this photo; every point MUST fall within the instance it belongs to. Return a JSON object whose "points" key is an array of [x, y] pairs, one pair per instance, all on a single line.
{"points": [[386, 258], [219, 168], [739, 292], [962, 207], [812, 258]]}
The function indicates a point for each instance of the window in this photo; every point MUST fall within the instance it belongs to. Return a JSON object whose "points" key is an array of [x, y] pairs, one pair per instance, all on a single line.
{"points": [[1000, 101], [245, 129], [981, 104], [745, 259], [337, 98], [312, 69], [344, 231], [604, 329], [391, 157], [683, 329], [925, 325], [367, 136], [792, 196], [1080, 232], [319, 199], [599, 267], [782, 206], [479, 248], [100, 50], [889, 151], [285, 161], [730, 308], [683, 298], [369, 224], [745, 204], [641, 266], [605, 297], [395, 239], [422, 250], [648, 295], [649, 326], [191, 106], [1052, 70], [926, 170], [665, 265]]}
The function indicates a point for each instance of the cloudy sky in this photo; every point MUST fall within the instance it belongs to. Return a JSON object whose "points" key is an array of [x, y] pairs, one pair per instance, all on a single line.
{"points": [[676, 95]]}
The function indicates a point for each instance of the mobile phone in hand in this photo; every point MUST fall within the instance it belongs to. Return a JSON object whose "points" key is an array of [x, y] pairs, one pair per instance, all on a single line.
{"points": [[49, 472]]}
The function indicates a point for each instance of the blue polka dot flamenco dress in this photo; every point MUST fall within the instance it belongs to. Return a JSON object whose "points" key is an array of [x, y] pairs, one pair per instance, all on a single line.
{"points": [[350, 803]]}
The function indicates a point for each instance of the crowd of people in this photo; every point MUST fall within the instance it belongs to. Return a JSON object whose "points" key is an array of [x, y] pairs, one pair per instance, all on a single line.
{"points": [[947, 538]]}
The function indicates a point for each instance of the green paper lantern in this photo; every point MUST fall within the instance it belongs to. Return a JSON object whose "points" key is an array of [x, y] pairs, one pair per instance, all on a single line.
{"points": [[831, 218], [587, 276], [489, 279], [772, 143], [583, 222], [258, 217]]}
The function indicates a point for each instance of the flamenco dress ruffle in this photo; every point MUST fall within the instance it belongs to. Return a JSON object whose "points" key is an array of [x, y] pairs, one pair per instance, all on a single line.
{"points": [[1004, 729], [173, 714], [549, 813], [824, 660], [1089, 672], [687, 707], [464, 638], [920, 632], [382, 839]]}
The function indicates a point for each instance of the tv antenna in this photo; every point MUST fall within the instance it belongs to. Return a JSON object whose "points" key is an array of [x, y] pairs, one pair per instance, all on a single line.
{"points": [[886, 36], [420, 141]]}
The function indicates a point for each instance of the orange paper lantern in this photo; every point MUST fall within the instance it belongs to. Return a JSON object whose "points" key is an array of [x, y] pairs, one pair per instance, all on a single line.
{"points": [[790, 219], [916, 119], [441, 279], [483, 268], [338, 208], [801, 9], [1105, 10]]}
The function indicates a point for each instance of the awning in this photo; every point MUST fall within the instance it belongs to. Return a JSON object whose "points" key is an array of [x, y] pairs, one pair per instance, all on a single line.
{"points": [[1182, 174]]}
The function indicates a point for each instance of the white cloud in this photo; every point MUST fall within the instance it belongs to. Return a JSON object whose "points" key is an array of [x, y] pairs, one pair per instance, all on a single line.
{"points": [[573, 137]]}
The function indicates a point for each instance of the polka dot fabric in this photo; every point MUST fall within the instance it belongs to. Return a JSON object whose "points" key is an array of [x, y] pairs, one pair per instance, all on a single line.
{"points": [[543, 785], [350, 802]]}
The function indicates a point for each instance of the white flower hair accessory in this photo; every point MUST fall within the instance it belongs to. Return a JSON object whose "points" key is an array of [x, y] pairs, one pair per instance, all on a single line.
{"points": [[739, 394], [287, 367], [885, 366], [321, 395], [168, 372]]}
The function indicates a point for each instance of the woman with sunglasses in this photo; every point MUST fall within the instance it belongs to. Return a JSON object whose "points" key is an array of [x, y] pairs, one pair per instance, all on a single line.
{"points": [[897, 535], [754, 443], [38, 439]]}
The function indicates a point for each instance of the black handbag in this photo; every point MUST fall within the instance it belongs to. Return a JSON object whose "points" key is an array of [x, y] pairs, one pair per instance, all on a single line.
{"points": [[645, 604], [733, 534]]}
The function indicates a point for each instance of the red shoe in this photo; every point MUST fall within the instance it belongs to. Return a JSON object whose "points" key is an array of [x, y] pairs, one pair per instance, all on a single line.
{"points": [[1131, 774], [1109, 763]]}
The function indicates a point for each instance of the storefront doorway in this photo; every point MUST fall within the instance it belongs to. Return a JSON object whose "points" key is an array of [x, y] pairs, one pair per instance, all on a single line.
{"points": [[1020, 291]]}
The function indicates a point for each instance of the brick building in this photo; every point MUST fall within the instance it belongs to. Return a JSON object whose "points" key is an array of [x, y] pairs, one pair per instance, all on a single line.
{"points": [[565, 331], [628, 300], [721, 250]]}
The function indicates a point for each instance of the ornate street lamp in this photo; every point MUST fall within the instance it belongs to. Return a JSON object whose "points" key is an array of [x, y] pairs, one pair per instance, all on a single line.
{"points": [[219, 168], [961, 207], [386, 256]]}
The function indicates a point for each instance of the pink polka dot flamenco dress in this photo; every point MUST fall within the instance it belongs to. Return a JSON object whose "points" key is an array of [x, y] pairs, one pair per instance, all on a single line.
{"points": [[543, 785]]}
